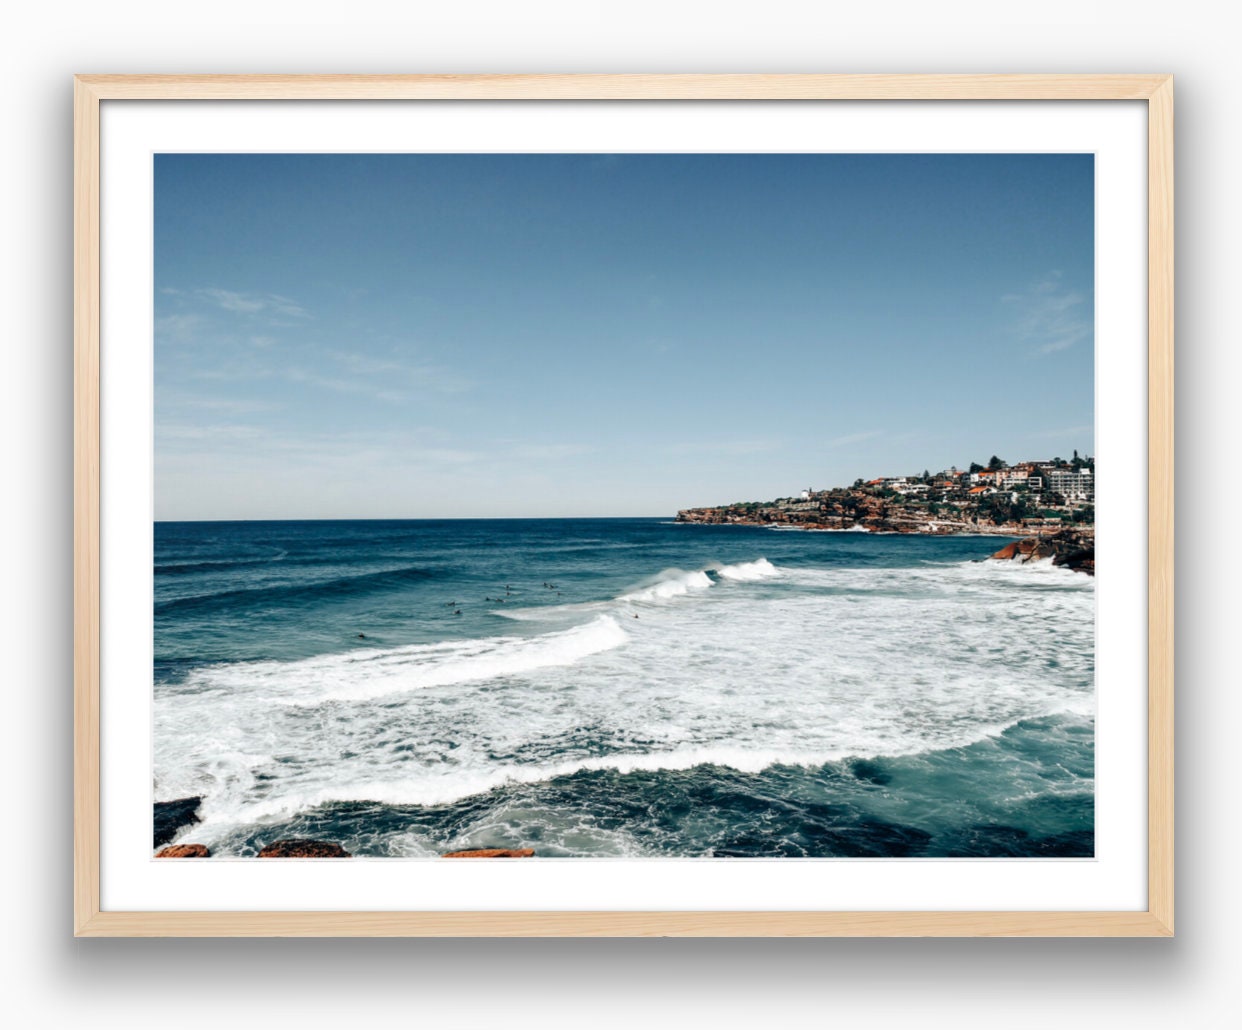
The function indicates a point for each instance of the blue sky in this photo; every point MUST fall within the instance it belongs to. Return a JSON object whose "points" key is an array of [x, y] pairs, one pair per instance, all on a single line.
{"points": [[541, 335]]}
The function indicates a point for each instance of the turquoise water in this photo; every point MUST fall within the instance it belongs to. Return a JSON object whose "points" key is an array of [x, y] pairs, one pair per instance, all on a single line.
{"points": [[621, 688]]}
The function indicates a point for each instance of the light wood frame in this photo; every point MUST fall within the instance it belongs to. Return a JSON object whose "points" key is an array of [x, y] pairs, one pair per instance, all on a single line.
{"points": [[89, 921]]}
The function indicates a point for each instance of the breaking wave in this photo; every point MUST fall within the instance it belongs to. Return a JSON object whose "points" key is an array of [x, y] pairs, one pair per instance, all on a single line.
{"points": [[367, 675]]}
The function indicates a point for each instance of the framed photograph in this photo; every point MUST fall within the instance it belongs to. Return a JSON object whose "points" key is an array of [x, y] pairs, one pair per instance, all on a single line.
{"points": [[686, 485]]}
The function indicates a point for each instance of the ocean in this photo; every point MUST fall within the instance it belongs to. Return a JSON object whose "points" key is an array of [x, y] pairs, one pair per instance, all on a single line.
{"points": [[621, 688]]}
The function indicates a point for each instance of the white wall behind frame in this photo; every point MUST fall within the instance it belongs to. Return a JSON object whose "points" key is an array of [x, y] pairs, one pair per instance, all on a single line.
{"points": [[877, 983]]}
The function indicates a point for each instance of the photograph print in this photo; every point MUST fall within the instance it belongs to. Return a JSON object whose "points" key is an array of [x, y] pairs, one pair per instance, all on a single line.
{"points": [[624, 506]]}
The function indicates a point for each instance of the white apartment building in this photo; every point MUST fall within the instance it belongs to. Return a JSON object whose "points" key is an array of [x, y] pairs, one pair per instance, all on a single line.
{"points": [[1072, 484], [1010, 478]]}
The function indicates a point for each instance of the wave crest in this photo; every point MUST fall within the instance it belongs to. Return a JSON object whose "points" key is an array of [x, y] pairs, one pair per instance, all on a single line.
{"points": [[368, 676], [678, 582], [670, 583], [749, 571]]}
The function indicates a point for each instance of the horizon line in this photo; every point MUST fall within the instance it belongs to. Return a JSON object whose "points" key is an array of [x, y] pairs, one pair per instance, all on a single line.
{"points": [[423, 518]]}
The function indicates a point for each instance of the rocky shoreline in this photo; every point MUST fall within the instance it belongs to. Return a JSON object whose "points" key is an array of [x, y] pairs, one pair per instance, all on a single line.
{"points": [[875, 520], [1073, 549], [171, 817]]}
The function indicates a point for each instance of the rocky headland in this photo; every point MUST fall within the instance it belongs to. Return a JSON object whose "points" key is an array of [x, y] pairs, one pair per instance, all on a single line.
{"points": [[1031, 498]]}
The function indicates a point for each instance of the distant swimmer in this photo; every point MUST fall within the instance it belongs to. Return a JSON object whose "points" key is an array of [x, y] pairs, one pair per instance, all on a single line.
{"points": [[636, 615], [458, 612], [362, 636]]}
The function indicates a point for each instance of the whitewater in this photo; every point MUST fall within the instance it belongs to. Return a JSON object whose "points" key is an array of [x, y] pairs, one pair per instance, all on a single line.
{"points": [[621, 688]]}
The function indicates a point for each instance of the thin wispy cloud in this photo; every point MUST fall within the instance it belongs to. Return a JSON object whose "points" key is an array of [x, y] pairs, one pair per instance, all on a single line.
{"points": [[547, 451], [346, 384], [389, 379], [734, 448], [217, 405], [399, 370], [178, 327], [253, 303], [212, 316], [381, 450], [1050, 316], [212, 433], [853, 438]]}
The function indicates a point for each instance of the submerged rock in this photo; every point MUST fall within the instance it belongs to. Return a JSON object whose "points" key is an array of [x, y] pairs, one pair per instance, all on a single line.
{"points": [[303, 849], [172, 816], [184, 851], [493, 853]]}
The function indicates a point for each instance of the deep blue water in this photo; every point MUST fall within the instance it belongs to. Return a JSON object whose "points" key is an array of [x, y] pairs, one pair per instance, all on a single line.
{"points": [[621, 687]]}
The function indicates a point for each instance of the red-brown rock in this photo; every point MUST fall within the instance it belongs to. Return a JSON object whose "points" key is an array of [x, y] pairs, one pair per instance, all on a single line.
{"points": [[1007, 552], [492, 853], [1082, 560], [1042, 549], [303, 849], [184, 851]]}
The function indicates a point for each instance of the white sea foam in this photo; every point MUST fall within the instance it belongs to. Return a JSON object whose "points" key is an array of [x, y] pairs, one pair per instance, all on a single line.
{"points": [[819, 529], [808, 666], [445, 786], [365, 675], [749, 571], [474, 660], [670, 583]]}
